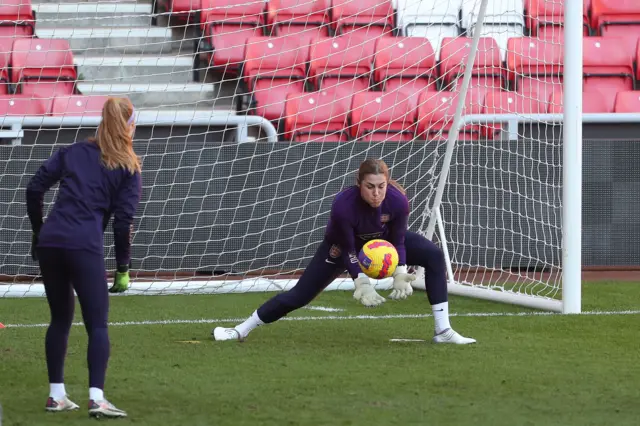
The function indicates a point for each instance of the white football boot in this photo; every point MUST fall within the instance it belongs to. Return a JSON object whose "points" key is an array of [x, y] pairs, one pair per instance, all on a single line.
{"points": [[57, 405], [104, 408], [222, 333], [451, 336]]}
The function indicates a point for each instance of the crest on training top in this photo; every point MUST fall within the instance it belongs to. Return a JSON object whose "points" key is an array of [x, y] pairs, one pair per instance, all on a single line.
{"points": [[384, 218], [335, 251]]}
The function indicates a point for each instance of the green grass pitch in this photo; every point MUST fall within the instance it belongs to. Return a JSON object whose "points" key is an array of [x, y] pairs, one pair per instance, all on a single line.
{"points": [[526, 369]]}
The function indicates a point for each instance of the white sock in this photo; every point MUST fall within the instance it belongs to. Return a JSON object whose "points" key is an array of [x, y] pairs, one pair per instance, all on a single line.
{"points": [[57, 391], [252, 322], [96, 394], [441, 316]]}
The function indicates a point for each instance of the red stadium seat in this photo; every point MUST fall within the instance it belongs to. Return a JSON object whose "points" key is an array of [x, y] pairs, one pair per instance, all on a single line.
{"points": [[545, 18], [637, 58], [535, 65], [308, 19], [615, 17], [336, 59], [373, 16], [77, 105], [21, 105], [488, 70], [274, 67], [275, 57], [412, 89], [437, 109], [4, 74], [627, 102], [592, 102], [227, 25], [36, 61], [231, 12], [17, 21], [319, 116], [407, 64], [511, 103], [181, 10], [608, 66], [379, 116]]}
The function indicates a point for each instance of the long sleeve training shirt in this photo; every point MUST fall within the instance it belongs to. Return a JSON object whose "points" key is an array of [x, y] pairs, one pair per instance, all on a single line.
{"points": [[88, 194], [353, 222]]}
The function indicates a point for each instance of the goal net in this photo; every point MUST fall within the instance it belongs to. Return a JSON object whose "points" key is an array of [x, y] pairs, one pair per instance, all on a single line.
{"points": [[252, 115]]}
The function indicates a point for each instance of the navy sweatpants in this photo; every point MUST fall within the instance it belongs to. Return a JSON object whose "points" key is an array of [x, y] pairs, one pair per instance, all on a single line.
{"points": [[63, 271], [324, 268]]}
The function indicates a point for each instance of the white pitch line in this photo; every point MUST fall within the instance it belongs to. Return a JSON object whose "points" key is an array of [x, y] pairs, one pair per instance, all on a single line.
{"points": [[340, 318], [323, 309]]}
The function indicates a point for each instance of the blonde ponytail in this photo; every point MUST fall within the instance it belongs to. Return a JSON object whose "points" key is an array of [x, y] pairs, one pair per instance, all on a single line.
{"points": [[114, 136]]}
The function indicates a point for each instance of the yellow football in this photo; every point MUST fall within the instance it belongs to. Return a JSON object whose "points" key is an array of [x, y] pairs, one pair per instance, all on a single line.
{"points": [[378, 259]]}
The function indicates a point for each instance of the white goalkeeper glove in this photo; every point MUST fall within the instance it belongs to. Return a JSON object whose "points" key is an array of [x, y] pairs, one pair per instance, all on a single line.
{"points": [[365, 293], [402, 283]]}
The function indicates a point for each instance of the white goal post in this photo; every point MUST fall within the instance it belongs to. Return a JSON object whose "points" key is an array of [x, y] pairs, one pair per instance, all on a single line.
{"points": [[247, 127], [571, 265]]}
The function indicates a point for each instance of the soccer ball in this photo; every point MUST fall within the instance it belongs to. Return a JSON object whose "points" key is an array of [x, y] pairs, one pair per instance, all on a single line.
{"points": [[378, 259]]}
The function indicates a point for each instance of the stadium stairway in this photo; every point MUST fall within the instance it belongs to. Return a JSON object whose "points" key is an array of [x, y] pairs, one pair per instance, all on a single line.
{"points": [[119, 52]]}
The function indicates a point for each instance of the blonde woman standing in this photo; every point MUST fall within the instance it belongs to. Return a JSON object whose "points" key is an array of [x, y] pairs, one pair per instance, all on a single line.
{"points": [[98, 178]]}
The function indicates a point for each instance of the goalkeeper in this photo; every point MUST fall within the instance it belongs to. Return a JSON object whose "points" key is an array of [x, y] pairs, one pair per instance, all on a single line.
{"points": [[376, 207], [97, 177]]}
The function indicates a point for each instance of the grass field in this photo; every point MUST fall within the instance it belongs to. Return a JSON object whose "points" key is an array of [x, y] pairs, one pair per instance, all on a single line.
{"points": [[339, 367]]}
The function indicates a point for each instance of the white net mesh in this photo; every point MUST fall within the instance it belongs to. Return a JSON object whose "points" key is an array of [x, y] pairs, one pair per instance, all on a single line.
{"points": [[252, 115]]}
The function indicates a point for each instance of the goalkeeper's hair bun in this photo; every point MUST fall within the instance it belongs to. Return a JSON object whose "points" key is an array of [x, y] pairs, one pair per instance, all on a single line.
{"points": [[114, 136], [376, 166]]}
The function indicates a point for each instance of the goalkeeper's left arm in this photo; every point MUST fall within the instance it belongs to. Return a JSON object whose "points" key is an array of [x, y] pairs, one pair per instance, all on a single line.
{"points": [[124, 209]]}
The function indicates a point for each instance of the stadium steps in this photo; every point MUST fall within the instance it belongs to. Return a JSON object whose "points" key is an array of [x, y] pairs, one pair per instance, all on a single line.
{"points": [[114, 14], [105, 41], [153, 95], [135, 69], [119, 52]]}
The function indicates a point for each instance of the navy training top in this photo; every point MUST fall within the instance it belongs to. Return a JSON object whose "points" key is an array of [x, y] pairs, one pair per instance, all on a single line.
{"points": [[87, 196], [353, 222]]}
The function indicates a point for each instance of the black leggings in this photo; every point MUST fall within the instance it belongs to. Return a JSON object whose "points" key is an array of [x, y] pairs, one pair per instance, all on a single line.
{"points": [[323, 269], [62, 272]]}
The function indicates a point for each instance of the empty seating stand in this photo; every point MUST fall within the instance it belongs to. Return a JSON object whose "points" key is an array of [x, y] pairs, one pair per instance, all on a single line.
{"points": [[436, 111], [226, 26], [406, 65], [379, 116], [487, 73], [503, 20], [16, 21], [545, 19], [77, 105], [501, 102], [43, 67], [274, 67], [302, 19], [534, 65], [341, 63], [627, 102], [375, 17], [182, 11], [327, 69], [615, 17], [11, 105], [608, 66], [433, 19], [592, 102], [321, 116]]}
